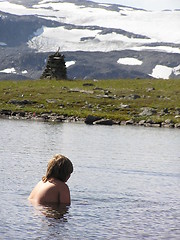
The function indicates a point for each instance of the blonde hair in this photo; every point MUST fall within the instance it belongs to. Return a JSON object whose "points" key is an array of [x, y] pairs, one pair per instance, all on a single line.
{"points": [[59, 167]]}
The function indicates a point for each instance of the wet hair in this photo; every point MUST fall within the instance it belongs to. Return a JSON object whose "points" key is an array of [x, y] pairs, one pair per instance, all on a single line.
{"points": [[59, 167]]}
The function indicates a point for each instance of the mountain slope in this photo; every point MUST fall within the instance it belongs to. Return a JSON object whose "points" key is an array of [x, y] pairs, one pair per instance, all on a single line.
{"points": [[98, 40]]}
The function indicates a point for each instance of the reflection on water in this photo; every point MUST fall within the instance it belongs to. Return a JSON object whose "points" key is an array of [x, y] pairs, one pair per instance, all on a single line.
{"points": [[125, 183], [53, 210]]}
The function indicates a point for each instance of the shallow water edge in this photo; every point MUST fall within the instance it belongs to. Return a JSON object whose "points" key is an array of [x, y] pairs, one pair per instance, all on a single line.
{"points": [[90, 119]]}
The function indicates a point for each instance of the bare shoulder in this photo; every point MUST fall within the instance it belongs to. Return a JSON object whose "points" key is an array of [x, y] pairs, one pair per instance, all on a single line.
{"points": [[35, 189], [61, 185], [64, 193]]}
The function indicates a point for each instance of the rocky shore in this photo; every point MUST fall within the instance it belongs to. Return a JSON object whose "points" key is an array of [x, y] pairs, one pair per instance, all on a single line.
{"points": [[90, 119]]}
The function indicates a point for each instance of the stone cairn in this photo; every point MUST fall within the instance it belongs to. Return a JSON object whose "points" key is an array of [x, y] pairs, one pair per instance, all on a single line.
{"points": [[56, 67]]}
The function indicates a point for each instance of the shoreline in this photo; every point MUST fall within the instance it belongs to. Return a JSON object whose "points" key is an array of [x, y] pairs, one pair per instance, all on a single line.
{"points": [[89, 120], [133, 102]]}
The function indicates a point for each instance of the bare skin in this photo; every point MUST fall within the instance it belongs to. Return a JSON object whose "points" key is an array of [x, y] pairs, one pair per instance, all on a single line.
{"points": [[52, 191]]}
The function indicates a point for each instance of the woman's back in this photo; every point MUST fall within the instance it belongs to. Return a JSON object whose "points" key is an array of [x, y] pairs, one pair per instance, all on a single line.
{"points": [[51, 191]]}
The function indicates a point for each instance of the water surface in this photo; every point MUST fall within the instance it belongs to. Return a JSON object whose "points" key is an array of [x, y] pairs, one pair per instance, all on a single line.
{"points": [[125, 184]]}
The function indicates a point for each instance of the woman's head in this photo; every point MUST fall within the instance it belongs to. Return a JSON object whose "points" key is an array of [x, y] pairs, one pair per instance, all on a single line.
{"points": [[59, 167]]}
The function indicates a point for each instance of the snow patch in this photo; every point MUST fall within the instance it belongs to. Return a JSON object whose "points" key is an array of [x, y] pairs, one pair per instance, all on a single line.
{"points": [[70, 63], [104, 5], [39, 31], [176, 70], [3, 44], [166, 49], [8, 70], [161, 71], [129, 61]]}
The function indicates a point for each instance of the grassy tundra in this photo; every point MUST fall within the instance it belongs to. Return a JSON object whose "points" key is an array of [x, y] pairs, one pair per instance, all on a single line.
{"points": [[119, 100]]}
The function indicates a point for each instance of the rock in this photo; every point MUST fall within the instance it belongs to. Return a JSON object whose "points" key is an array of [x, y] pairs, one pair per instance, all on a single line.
{"points": [[150, 89], [60, 119], [21, 102], [55, 68], [107, 92], [124, 106], [164, 111], [156, 125], [106, 96], [142, 122], [45, 116], [123, 123], [148, 124], [177, 125], [149, 121], [88, 84], [20, 114], [51, 100], [133, 96], [6, 112], [81, 91], [148, 112], [104, 122], [98, 89], [91, 119], [171, 125], [168, 121], [177, 111], [130, 122]]}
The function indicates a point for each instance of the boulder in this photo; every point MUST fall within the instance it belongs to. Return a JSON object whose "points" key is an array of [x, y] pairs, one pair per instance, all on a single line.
{"points": [[177, 125], [91, 119], [6, 112], [130, 122], [142, 122], [108, 122], [148, 112]]}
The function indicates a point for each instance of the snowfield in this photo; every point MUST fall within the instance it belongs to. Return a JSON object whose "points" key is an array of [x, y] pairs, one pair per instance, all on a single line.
{"points": [[157, 27]]}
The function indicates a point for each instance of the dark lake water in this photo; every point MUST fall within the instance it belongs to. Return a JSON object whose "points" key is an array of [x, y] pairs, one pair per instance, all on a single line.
{"points": [[125, 185]]}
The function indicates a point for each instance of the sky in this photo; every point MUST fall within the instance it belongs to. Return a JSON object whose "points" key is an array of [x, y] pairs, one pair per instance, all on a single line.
{"points": [[153, 5]]}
